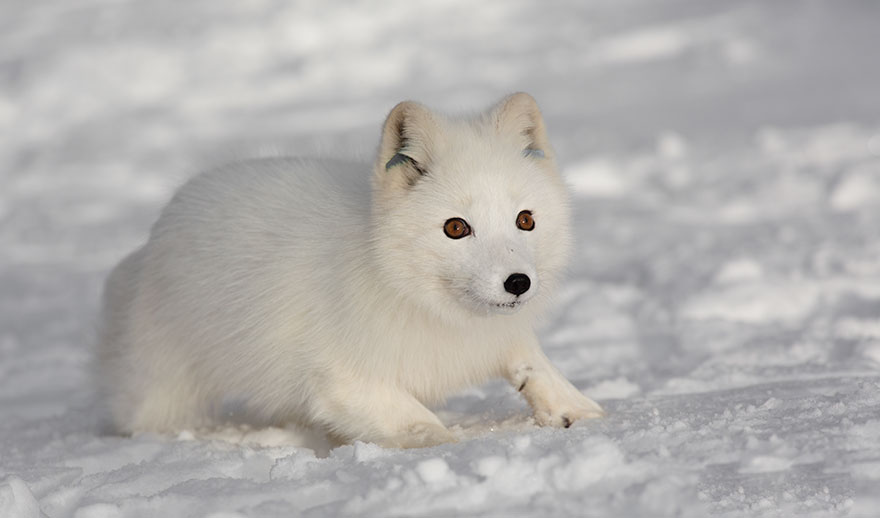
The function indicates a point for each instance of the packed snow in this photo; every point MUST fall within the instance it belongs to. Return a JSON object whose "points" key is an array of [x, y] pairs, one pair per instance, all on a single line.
{"points": [[723, 303]]}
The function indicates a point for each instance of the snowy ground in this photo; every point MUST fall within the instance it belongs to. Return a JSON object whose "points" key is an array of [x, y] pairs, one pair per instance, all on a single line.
{"points": [[724, 303]]}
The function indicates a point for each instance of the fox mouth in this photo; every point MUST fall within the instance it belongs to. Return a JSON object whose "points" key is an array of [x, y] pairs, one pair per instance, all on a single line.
{"points": [[504, 308], [485, 305]]}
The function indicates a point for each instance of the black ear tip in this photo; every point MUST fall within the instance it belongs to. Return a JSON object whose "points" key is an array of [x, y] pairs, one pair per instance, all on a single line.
{"points": [[398, 158]]}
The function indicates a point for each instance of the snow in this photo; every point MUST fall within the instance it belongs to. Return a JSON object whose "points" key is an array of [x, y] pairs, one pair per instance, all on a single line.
{"points": [[723, 304], [17, 500]]}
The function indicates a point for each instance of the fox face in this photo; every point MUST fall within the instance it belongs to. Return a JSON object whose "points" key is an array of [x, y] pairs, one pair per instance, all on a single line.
{"points": [[470, 215], [495, 268]]}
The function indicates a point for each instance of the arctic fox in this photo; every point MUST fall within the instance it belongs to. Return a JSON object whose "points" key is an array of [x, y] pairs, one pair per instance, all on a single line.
{"points": [[320, 295]]}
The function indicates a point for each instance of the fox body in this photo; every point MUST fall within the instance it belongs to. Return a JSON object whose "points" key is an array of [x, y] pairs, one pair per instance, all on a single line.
{"points": [[317, 293]]}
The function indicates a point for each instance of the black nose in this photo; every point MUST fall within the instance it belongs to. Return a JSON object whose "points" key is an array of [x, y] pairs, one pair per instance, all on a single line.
{"points": [[517, 283]]}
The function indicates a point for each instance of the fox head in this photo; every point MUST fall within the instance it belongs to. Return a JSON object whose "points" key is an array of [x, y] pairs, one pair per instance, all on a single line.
{"points": [[470, 215]]}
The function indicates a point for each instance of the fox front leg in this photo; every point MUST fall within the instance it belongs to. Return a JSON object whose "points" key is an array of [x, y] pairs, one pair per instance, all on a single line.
{"points": [[554, 400], [380, 414]]}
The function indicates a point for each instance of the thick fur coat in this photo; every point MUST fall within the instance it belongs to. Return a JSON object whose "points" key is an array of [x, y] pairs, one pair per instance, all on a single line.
{"points": [[310, 291]]}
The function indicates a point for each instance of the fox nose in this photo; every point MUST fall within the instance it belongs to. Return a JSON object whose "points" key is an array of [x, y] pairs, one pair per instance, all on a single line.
{"points": [[517, 283]]}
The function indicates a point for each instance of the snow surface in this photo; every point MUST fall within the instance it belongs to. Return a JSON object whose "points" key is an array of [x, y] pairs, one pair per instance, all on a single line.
{"points": [[723, 305]]}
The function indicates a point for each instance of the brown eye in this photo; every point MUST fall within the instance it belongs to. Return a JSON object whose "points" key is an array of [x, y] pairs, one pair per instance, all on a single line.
{"points": [[456, 228], [525, 221]]}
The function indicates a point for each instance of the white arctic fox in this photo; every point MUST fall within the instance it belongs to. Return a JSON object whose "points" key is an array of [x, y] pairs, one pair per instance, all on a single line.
{"points": [[313, 297]]}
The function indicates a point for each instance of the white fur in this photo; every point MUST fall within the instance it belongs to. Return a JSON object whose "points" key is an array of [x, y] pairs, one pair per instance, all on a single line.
{"points": [[299, 292]]}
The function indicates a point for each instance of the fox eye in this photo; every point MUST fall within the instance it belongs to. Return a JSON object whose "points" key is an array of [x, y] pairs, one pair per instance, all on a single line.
{"points": [[456, 228], [525, 221]]}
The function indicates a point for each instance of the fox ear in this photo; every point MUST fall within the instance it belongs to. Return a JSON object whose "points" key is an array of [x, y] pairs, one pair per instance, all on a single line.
{"points": [[409, 138], [518, 116]]}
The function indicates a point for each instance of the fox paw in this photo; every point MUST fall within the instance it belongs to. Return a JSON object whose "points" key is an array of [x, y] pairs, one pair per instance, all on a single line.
{"points": [[565, 414], [420, 435]]}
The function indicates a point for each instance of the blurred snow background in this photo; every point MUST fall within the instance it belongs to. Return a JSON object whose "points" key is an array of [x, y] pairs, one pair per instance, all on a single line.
{"points": [[723, 305]]}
